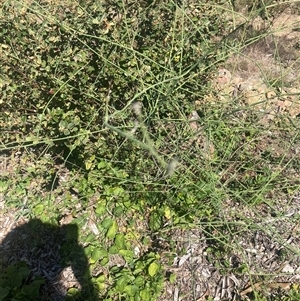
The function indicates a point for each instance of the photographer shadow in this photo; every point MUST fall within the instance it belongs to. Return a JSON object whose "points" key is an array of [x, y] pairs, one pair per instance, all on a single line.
{"points": [[44, 261]]}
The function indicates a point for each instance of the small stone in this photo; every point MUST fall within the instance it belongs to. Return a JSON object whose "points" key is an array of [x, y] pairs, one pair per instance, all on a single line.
{"points": [[288, 269], [270, 94], [224, 76]]}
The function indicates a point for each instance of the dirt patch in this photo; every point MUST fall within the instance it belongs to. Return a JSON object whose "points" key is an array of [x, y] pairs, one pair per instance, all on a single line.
{"points": [[271, 51], [262, 249], [261, 254]]}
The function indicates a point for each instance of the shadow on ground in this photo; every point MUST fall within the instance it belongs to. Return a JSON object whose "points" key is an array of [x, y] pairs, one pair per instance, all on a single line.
{"points": [[36, 258]]}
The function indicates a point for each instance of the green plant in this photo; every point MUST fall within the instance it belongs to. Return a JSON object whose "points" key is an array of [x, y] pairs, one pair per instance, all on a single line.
{"points": [[95, 99], [16, 283]]}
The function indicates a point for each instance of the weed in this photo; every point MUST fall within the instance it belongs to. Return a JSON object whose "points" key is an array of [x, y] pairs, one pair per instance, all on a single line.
{"points": [[95, 131]]}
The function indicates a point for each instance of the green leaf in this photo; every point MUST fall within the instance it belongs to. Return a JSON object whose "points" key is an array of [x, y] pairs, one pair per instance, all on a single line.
{"points": [[89, 162], [101, 164], [33, 288], [120, 241], [4, 291], [118, 191], [111, 233], [38, 209], [139, 281], [96, 255], [72, 291], [172, 278], [121, 283], [103, 252], [131, 290], [107, 223], [100, 209], [127, 254], [145, 295], [90, 238], [118, 211], [24, 271], [88, 250], [153, 269], [113, 250], [168, 213], [101, 278], [104, 261]]}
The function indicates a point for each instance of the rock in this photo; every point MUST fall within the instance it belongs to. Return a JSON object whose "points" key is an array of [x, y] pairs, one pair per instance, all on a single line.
{"points": [[254, 92], [291, 97], [224, 77], [270, 95]]}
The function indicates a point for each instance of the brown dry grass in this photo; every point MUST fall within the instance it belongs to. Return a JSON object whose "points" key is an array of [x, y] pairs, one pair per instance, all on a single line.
{"points": [[274, 56]]}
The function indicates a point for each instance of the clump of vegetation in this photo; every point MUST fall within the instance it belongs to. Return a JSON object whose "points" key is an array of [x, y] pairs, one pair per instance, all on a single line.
{"points": [[95, 105], [16, 283]]}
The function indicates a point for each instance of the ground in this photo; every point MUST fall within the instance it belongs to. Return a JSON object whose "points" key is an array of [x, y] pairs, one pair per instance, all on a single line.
{"points": [[263, 255]]}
